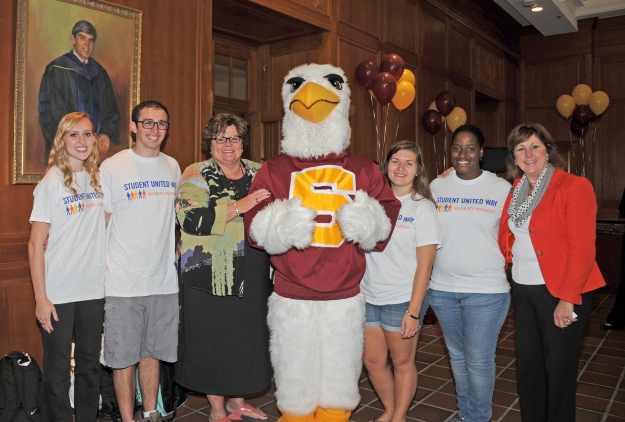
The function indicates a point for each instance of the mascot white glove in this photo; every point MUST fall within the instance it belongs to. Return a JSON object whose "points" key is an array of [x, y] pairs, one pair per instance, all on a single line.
{"points": [[364, 221], [282, 225]]}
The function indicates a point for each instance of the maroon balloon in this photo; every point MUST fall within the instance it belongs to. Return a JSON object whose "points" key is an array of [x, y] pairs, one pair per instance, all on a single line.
{"points": [[365, 72], [393, 64], [583, 115], [432, 121], [445, 102], [384, 87]]}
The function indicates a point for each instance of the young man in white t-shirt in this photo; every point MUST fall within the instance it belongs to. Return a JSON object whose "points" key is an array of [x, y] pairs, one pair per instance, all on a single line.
{"points": [[141, 287]]}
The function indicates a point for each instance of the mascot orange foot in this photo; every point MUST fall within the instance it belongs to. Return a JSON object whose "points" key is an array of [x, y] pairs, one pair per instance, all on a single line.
{"points": [[321, 415]]}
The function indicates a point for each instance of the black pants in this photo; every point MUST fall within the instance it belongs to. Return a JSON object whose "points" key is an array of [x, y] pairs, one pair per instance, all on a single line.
{"points": [[547, 356], [81, 321]]}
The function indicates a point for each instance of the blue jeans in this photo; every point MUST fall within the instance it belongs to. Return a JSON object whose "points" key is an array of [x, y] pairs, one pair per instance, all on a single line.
{"points": [[471, 324]]}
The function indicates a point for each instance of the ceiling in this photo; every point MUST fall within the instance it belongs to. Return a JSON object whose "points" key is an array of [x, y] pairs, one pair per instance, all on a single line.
{"points": [[560, 16], [256, 25]]}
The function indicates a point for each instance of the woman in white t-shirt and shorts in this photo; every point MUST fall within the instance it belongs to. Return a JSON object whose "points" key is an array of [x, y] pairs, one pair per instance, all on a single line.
{"points": [[395, 283], [67, 264]]}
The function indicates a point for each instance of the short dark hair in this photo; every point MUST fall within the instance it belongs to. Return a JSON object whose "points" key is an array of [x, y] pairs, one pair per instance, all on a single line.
{"points": [[147, 104], [472, 129], [86, 27], [219, 123], [522, 133]]}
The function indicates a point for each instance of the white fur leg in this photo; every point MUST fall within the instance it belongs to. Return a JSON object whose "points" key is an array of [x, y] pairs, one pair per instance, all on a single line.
{"points": [[295, 354], [342, 342], [282, 225], [364, 221], [316, 352]]}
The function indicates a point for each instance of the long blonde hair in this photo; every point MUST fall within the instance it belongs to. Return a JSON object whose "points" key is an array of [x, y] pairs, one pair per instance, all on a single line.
{"points": [[59, 158]]}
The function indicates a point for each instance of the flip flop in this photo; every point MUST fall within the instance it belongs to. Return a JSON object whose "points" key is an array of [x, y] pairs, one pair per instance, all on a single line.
{"points": [[240, 414]]}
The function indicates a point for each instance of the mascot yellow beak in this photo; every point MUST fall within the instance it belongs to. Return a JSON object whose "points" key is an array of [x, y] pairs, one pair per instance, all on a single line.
{"points": [[314, 102]]}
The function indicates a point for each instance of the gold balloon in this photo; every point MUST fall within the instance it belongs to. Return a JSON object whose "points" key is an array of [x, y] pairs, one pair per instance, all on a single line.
{"points": [[456, 118], [599, 102], [565, 106], [581, 94], [404, 96], [408, 76]]}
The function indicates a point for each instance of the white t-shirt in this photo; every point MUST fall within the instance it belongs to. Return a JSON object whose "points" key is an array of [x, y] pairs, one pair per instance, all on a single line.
{"points": [[469, 212], [139, 194], [525, 268], [74, 257], [390, 274]]}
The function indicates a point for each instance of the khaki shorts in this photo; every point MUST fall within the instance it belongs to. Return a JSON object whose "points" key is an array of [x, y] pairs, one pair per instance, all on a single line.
{"points": [[137, 327]]}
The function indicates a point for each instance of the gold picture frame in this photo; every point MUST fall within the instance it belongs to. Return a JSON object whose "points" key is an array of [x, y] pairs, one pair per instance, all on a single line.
{"points": [[44, 33]]}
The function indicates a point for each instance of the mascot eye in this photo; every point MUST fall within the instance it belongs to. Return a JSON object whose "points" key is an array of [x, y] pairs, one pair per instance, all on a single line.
{"points": [[336, 81], [295, 83]]}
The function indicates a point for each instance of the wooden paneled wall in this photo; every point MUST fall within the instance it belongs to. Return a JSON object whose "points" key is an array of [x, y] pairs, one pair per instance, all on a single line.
{"points": [[437, 40], [449, 45], [175, 69], [595, 56], [469, 47]]}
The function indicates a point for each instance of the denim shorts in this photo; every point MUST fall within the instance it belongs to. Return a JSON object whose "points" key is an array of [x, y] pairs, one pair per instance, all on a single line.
{"points": [[386, 316]]}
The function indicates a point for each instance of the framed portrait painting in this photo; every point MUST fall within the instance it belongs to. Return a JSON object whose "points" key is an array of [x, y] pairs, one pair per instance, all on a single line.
{"points": [[73, 55]]}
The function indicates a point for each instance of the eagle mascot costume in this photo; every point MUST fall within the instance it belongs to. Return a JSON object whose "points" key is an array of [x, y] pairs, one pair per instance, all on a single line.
{"points": [[326, 208]]}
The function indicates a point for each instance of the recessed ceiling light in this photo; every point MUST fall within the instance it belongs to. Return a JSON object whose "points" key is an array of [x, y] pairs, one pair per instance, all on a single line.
{"points": [[537, 8]]}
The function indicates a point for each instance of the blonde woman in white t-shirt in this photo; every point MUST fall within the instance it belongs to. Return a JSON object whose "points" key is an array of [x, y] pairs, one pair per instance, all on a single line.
{"points": [[395, 283], [66, 256]]}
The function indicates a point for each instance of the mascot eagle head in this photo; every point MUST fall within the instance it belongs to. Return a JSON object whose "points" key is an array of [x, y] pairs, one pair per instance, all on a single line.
{"points": [[316, 111]]}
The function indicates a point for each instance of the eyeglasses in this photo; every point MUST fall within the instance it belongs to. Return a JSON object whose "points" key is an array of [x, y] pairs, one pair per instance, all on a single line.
{"points": [[224, 139], [149, 124]]}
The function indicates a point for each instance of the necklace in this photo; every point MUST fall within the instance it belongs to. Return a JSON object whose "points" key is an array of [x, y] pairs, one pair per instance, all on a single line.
{"points": [[231, 183]]}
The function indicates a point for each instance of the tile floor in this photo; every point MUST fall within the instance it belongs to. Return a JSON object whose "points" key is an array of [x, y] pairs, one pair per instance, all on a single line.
{"points": [[600, 392]]}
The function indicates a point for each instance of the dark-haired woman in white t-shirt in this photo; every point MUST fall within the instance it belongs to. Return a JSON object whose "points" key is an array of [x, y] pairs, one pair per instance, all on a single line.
{"points": [[469, 291]]}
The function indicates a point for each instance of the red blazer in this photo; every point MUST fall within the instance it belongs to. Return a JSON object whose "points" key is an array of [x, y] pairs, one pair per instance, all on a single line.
{"points": [[563, 231]]}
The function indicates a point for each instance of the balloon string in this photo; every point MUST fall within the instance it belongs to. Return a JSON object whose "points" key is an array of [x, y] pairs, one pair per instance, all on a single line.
{"points": [[445, 148], [572, 149], [435, 159], [592, 145], [384, 137], [397, 130], [581, 143], [375, 121], [592, 142]]}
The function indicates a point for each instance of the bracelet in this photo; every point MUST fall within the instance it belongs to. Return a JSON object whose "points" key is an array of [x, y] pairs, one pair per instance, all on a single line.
{"points": [[410, 315], [236, 209]]}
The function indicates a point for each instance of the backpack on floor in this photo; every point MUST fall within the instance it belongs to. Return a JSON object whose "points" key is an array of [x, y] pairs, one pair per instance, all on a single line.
{"points": [[20, 388], [109, 411]]}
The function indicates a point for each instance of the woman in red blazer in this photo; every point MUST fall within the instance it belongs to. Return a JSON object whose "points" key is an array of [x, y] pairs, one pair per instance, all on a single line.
{"points": [[547, 231]]}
